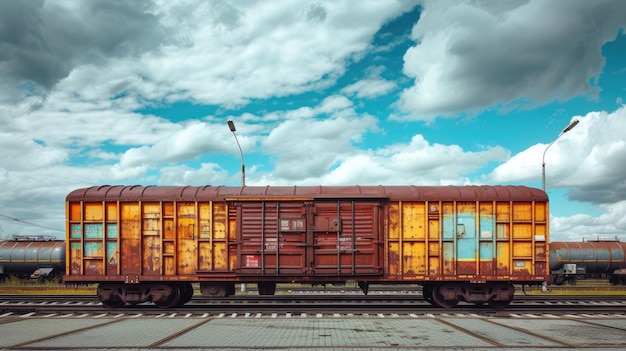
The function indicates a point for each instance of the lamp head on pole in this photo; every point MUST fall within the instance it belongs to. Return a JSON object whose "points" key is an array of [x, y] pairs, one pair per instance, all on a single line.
{"points": [[231, 125], [570, 126]]}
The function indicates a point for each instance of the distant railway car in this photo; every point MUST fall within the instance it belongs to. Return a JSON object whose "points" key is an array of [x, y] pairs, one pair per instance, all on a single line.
{"points": [[461, 243], [571, 260], [32, 257]]}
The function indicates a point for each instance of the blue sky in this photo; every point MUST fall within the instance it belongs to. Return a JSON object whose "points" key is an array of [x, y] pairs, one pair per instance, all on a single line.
{"points": [[321, 92]]}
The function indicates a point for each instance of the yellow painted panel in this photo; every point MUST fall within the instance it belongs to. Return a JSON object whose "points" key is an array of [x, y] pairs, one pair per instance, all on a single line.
{"points": [[169, 248], [168, 209], [393, 258], [220, 220], [151, 254], [522, 267], [503, 258], [151, 218], [433, 229], [111, 214], [522, 249], [540, 211], [486, 208], [169, 266], [232, 229], [186, 250], [433, 249], [522, 211], [74, 211], [204, 212], [186, 209], [414, 258], [220, 252], [502, 212], [540, 229], [522, 231], [433, 266], [75, 263], [205, 255], [394, 222], [93, 211], [413, 220], [130, 221], [168, 229]]}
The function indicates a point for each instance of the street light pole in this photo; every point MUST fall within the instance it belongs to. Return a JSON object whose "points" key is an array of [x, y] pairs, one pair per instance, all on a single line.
{"points": [[543, 161], [231, 126]]}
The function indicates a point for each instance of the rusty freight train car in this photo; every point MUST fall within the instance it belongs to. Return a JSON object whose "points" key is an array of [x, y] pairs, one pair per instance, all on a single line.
{"points": [[151, 243]]}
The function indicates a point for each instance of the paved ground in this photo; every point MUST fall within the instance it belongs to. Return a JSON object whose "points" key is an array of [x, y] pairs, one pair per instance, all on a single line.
{"points": [[311, 332]]}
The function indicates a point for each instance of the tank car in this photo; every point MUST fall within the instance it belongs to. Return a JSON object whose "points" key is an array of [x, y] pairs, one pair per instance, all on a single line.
{"points": [[572, 260], [32, 257], [151, 243]]}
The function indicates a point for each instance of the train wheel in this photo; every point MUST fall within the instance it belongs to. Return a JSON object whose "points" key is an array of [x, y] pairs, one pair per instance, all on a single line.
{"points": [[172, 300], [108, 297], [427, 292], [440, 301], [266, 288], [186, 293], [365, 287], [216, 289]]}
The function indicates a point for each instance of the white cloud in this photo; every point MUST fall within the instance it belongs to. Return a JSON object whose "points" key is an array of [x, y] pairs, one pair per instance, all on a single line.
{"points": [[590, 159], [471, 56], [611, 224], [370, 88]]}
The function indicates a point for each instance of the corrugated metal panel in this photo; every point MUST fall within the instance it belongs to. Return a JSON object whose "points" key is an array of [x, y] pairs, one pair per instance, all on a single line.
{"points": [[323, 238]]}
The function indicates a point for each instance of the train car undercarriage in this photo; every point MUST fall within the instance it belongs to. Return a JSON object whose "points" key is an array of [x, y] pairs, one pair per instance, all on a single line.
{"points": [[168, 295]]}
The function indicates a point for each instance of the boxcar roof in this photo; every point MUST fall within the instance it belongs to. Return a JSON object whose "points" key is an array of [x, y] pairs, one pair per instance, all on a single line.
{"points": [[395, 192]]}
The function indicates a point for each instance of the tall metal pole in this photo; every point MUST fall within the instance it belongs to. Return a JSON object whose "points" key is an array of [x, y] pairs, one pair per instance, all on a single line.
{"points": [[231, 126], [543, 161]]}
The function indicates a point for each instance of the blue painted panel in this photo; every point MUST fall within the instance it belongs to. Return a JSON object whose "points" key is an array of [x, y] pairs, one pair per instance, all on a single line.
{"points": [[486, 251], [93, 249], [466, 237], [112, 230], [447, 226], [94, 231], [486, 227], [75, 231], [112, 254]]}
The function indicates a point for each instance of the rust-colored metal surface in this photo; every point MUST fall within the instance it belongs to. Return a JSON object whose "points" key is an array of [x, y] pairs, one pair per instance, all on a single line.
{"points": [[310, 239], [307, 233], [221, 193]]}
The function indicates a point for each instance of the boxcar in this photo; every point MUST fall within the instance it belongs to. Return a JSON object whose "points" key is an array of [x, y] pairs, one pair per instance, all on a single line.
{"points": [[461, 243]]}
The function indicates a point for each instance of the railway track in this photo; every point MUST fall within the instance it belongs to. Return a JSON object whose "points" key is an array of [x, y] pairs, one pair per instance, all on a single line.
{"points": [[313, 305]]}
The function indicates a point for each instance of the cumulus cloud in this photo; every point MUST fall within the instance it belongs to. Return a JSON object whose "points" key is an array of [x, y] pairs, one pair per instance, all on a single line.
{"points": [[41, 42], [589, 159], [472, 55], [609, 225]]}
